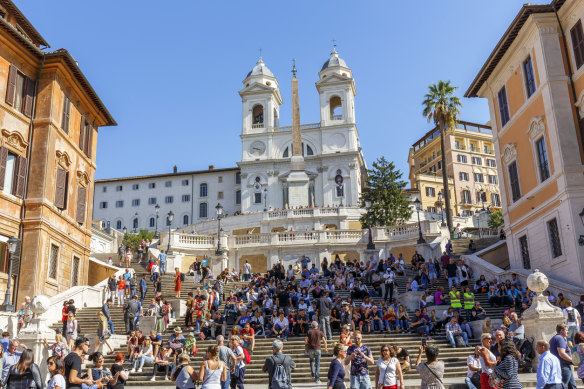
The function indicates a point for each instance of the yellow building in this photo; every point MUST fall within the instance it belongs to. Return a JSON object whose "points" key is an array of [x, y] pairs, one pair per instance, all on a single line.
{"points": [[470, 166], [49, 117], [534, 83]]}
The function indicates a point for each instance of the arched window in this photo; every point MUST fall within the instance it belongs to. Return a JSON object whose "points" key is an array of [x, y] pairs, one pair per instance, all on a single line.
{"points": [[286, 153], [257, 116], [336, 108], [118, 225], [135, 223], [185, 220], [309, 150], [203, 190], [203, 210], [152, 222], [276, 119]]}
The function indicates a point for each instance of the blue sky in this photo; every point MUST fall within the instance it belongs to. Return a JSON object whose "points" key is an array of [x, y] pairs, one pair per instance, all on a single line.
{"points": [[169, 71]]}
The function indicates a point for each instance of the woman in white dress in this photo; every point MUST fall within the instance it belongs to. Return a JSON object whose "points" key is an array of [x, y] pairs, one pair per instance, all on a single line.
{"points": [[212, 370], [388, 370]]}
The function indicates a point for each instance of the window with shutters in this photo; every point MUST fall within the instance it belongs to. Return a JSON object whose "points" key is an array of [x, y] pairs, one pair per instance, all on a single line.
{"points": [[185, 219], [152, 201], [554, 237], [503, 106], [120, 204], [491, 163], [20, 91], [220, 195], [493, 180], [514, 181], [203, 190], [66, 114], [238, 197], [466, 197], [186, 198], [168, 184], [168, 199], [75, 272], [135, 186], [430, 192], [12, 173], [238, 178], [220, 179], [477, 161], [529, 77], [495, 199], [136, 203], [81, 205], [152, 222], [53, 261], [62, 185], [431, 209], [85, 137], [3, 257], [152, 185], [185, 182], [577, 35], [118, 224], [203, 210], [103, 205], [542, 160], [464, 176], [524, 252], [104, 189], [478, 177], [119, 188]]}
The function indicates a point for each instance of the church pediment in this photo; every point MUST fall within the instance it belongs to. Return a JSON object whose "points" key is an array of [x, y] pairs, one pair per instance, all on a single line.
{"points": [[333, 78]]}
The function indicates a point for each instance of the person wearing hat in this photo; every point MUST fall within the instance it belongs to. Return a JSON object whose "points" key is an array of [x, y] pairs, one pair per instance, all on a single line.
{"points": [[176, 341], [191, 344]]}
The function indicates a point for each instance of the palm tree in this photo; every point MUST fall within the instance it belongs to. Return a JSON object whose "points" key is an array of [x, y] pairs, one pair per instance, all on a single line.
{"points": [[442, 107]]}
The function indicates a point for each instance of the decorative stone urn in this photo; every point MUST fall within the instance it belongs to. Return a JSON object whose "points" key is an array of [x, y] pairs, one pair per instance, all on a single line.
{"points": [[541, 318]]}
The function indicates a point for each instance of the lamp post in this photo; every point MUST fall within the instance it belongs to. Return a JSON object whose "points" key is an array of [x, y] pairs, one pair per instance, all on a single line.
{"points": [[442, 224], [418, 205], [265, 199], [219, 211], [157, 209], [12, 247], [370, 244], [169, 217]]}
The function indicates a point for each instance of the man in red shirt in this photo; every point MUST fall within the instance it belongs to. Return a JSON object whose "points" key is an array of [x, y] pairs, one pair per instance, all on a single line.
{"points": [[248, 336]]}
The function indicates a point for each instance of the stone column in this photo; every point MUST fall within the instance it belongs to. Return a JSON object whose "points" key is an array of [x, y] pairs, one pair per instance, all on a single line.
{"points": [[541, 318], [37, 330]]}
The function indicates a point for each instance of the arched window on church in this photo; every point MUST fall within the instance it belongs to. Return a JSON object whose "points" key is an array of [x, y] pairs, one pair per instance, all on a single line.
{"points": [[309, 150], [152, 222], [286, 153], [257, 116], [336, 107], [276, 119]]}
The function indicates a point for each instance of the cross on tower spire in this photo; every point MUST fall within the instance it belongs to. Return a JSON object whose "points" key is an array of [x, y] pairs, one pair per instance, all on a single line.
{"points": [[294, 67], [334, 44]]}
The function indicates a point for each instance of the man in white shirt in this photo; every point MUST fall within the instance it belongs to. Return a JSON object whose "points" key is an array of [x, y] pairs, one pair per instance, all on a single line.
{"points": [[388, 279], [280, 327], [246, 271], [573, 320]]}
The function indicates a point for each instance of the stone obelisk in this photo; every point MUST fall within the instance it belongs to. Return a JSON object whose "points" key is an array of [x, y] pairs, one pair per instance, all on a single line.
{"points": [[298, 181]]}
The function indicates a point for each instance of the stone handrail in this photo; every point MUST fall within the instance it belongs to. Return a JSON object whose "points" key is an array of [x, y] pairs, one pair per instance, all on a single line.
{"points": [[303, 212], [480, 266]]}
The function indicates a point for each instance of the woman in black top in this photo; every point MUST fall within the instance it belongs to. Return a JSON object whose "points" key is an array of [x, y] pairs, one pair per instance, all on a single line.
{"points": [[507, 368], [24, 372], [120, 375], [336, 372]]}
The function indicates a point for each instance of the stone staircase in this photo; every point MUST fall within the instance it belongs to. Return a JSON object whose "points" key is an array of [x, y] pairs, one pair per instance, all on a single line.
{"points": [[455, 359]]}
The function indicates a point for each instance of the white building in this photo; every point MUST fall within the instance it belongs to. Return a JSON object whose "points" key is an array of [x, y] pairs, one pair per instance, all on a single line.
{"points": [[192, 196]]}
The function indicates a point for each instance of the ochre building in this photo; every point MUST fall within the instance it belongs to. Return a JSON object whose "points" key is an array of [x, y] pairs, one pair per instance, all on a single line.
{"points": [[534, 83], [49, 118]]}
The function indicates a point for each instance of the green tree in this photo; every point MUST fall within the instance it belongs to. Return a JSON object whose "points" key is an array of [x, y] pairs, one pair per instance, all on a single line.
{"points": [[496, 220], [133, 240], [385, 188], [441, 107]]}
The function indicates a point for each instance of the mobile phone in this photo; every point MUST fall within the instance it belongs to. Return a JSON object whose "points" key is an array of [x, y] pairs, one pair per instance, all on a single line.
{"points": [[424, 342]]}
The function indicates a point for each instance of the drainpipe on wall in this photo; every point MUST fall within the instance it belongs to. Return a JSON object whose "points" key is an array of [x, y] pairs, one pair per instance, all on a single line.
{"points": [[28, 153]]}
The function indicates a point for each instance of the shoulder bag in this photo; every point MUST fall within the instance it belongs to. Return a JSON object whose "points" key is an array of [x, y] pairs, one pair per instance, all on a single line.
{"points": [[434, 374]]}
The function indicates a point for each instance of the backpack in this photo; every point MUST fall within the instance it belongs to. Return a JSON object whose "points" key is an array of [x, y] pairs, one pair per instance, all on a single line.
{"points": [[571, 315], [246, 355], [182, 277], [280, 378]]}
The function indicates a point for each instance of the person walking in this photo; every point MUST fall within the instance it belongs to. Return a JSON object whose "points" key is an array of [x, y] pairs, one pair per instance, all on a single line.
{"points": [[432, 371], [228, 358], [246, 271], [25, 374], [162, 260], [336, 372], [212, 370], [103, 333], [112, 285], [359, 355], [324, 315], [143, 288], [279, 367], [121, 291], [130, 311], [508, 367], [238, 372], [388, 371], [559, 347], [549, 372], [312, 342], [106, 311]]}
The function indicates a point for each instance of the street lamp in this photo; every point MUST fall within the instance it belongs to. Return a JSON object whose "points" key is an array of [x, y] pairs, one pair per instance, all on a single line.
{"points": [[442, 224], [219, 211], [265, 199], [156, 208], [370, 244], [12, 247], [169, 217], [418, 205]]}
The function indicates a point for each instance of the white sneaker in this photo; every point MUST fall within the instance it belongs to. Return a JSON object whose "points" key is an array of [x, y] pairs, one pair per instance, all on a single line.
{"points": [[166, 379], [133, 370], [139, 370], [153, 379]]}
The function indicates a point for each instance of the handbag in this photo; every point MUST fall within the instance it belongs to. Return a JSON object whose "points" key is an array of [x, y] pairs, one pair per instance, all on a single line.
{"points": [[495, 381]]}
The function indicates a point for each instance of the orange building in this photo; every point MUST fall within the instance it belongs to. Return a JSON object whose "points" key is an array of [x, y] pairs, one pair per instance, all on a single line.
{"points": [[49, 116], [534, 83]]}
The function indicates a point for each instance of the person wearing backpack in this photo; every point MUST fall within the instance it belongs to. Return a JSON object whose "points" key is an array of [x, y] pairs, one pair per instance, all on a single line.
{"points": [[573, 320], [279, 367], [240, 362]]}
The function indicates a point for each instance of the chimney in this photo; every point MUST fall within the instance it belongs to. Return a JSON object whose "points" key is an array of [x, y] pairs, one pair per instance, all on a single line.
{"points": [[174, 169], [211, 167]]}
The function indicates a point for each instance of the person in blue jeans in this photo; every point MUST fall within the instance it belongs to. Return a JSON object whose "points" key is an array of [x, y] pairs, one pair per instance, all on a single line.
{"points": [[452, 330], [162, 259], [559, 347], [280, 327], [360, 356]]}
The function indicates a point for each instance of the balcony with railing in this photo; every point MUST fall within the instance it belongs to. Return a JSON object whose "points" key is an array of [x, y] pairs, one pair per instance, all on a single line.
{"points": [[310, 126], [336, 117], [257, 125]]}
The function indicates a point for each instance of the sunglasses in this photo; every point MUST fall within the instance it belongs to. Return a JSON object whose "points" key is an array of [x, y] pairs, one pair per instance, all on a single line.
{"points": [[50, 363]]}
